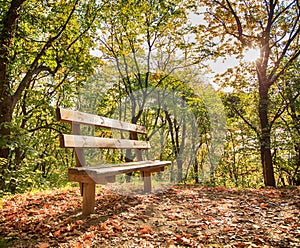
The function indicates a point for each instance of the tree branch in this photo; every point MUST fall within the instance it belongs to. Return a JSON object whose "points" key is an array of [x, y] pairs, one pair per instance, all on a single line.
{"points": [[245, 120], [238, 23], [274, 78], [34, 67]]}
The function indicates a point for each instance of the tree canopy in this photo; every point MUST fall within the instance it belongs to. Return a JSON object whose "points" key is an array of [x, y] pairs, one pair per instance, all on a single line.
{"points": [[111, 57]]}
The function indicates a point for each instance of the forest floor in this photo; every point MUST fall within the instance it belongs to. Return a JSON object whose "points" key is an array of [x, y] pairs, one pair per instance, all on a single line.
{"points": [[178, 216]]}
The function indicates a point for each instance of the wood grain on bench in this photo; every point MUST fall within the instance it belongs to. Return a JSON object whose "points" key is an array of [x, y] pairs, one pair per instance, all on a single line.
{"points": [[77, 117], [72, 141]]}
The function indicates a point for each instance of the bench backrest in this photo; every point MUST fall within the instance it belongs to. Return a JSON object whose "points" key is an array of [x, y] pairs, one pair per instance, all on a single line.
{"points": [[75, 140]]}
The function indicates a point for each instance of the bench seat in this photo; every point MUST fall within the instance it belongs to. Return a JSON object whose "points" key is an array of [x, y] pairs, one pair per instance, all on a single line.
{"points": [[104, 173]]}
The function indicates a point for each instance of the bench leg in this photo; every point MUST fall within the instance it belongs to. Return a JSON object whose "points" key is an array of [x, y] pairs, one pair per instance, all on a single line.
{"points": [[88, 205], [147, 182]]}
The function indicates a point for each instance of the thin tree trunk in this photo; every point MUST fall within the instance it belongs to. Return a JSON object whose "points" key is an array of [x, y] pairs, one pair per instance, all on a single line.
{"points": [[265, 138]]}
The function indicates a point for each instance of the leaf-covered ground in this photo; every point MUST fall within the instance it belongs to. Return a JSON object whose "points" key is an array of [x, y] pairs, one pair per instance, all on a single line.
{"points": [[181, 216]]}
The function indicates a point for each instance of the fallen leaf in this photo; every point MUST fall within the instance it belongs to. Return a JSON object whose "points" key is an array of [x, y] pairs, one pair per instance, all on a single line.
{"points": [[263, 205], [78, 245], [103, 227], [44, 245], [116, 226], [145, 230]]}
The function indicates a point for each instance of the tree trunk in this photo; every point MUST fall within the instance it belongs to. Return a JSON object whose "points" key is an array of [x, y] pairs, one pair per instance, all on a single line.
{"points": [[179, 168], [7, 102], [6, 113], [265, 138], [196, 171]]}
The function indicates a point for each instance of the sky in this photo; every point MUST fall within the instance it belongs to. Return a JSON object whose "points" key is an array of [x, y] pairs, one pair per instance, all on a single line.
{"points": [[221, 65]]}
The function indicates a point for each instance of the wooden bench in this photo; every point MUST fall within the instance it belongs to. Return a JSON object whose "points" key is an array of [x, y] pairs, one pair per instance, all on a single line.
{"points": [[87, 176]]}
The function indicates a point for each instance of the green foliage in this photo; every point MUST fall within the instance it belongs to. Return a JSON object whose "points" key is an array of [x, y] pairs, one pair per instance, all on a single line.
{"points": [[35, 160], [148, 50], [45, 67]]}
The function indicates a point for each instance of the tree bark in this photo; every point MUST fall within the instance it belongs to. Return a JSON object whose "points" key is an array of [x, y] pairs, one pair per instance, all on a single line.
{"points": [[7, 101], [6, 112], [265, 137]]}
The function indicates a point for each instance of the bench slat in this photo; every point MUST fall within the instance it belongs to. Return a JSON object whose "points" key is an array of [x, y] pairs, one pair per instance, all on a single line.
{"points": [[67, 115], [96, 173], [128, 164], [71, 141]]}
